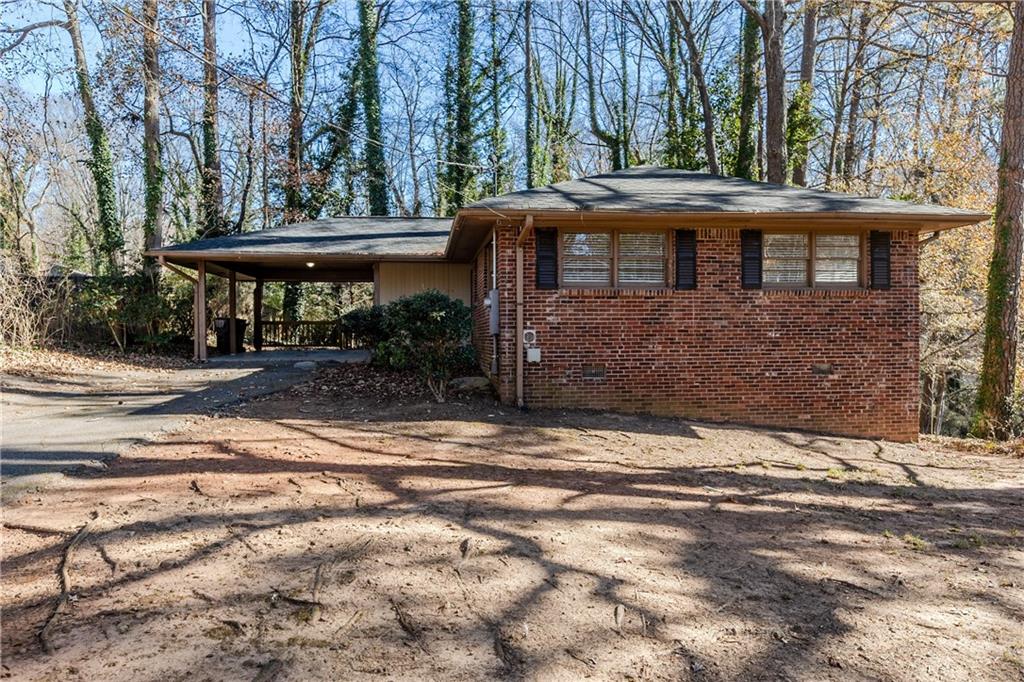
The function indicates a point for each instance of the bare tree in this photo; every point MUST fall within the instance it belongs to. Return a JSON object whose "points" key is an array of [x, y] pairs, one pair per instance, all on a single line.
{"points": [[153, 227], [697, 69], [213, 192]]}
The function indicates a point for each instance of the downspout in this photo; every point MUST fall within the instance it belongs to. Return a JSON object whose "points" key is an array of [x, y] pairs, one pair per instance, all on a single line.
{"points": [[523, 234]]}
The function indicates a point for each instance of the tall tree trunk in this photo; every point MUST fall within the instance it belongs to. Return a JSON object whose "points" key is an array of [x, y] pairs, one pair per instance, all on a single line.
{"points": [[498, 162], [531, 129], [101, 163], [213, 192], [807, 56], [673, 141], [702, 88], [999, 361], [302, 41], [608, 138], [775, 84], [264, 164], [376, 169], [461, 97], [853, 118], [250, 170], [153, 226], [746, 152], [773, 25]]}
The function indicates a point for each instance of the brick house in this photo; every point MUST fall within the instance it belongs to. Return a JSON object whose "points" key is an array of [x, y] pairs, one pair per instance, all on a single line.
{"points": [[677, 293], [645, 290]]}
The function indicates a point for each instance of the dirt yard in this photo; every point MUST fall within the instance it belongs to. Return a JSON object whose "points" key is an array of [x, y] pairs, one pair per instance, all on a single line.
{"points": [[350, 529]]}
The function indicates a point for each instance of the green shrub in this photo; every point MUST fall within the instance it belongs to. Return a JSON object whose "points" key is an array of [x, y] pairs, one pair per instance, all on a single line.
{"points": [[427, 332], [366, 325]]}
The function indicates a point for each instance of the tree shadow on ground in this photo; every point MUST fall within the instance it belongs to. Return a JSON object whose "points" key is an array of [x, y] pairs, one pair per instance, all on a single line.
{"points": [[740, 537]]}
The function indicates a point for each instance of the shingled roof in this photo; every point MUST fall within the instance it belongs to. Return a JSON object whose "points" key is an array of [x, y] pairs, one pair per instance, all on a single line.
{"points": [[653, 189], [363, 237]]}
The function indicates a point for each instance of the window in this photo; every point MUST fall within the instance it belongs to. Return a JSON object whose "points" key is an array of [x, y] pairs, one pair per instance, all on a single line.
{"points": [[641, 259], [806, 259], [587, 258], [605, 259], [785, 259], [836, 259]]}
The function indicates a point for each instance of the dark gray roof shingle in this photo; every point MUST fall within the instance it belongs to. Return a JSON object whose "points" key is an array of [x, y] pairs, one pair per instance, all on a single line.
{"points": [[652, 189], [349, 236]]}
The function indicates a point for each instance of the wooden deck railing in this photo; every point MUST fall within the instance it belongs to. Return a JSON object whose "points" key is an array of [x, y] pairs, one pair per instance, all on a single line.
{"points": [[305, 333]]}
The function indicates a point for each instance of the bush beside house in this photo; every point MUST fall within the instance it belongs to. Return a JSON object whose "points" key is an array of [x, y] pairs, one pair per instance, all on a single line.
{"points": [[428, 332]]}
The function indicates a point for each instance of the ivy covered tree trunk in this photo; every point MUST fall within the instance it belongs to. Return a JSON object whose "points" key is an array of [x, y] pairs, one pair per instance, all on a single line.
{"points": [[746, 153], [101, 162], [153, 226], [213, 192], [501, 178], [801, 107], [531, 129], [376, 168], [999, 361], [459, 172]]}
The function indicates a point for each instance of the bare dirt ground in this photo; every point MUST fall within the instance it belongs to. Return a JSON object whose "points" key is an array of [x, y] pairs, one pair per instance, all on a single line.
{"points": [[349, 529]]}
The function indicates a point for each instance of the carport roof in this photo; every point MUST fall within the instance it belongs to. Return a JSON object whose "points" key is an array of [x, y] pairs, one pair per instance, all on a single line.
{"points": [[369, 238]]}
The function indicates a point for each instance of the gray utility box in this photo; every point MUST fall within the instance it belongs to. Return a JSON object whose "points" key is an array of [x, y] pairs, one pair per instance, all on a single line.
{"points": [[493, 325]]}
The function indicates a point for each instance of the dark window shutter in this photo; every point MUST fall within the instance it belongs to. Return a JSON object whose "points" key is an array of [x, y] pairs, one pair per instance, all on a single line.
{"points": [[686, 259], [547, 258], [750, 253], [881, 243]]}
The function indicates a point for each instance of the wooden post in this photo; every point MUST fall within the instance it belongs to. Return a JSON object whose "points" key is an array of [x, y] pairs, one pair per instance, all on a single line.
{"points": [[195, 320], [232, 311], [257, 316], [201, 309]]}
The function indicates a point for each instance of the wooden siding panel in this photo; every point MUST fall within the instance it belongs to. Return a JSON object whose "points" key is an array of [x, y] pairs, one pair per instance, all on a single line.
{"points": [[396, 279]]}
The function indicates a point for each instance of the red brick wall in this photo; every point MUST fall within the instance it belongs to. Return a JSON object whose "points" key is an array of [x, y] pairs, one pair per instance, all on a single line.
{"points": [[482, 339], [835, 361]]}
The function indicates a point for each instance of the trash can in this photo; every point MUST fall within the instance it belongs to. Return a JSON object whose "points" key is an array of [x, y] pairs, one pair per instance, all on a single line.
{"points": [[220, 325]]}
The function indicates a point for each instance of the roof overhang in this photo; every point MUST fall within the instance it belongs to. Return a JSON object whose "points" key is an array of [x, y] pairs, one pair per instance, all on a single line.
{"points": [[472, 225], [294, 267]]}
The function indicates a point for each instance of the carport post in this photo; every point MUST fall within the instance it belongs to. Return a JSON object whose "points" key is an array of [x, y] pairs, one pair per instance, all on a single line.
{"points": [[232, 312], [201, 311], [257, 316]]}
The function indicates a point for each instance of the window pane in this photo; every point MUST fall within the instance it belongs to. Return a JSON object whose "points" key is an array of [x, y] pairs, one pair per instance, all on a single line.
{"points": [[785, 246], [587, 271], [837, 258], [587, 258], [837, 246], [587, 244], [836, 271], [785, 259], [641, 259], [785, 271]]}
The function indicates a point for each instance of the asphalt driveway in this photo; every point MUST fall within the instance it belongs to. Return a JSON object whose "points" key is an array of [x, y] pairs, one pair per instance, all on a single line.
{"points": [[51, 426]]}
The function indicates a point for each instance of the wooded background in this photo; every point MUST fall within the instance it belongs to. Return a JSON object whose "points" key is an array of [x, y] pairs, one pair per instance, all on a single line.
{"points": [[130, 124]]}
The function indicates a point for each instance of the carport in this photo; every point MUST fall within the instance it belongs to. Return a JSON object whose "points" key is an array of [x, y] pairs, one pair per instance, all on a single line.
{"points": [[398, 255]]}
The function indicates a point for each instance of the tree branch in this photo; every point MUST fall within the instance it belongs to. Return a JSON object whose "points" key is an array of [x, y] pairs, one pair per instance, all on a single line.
{"points": [[25, 31], [761, 21]]}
